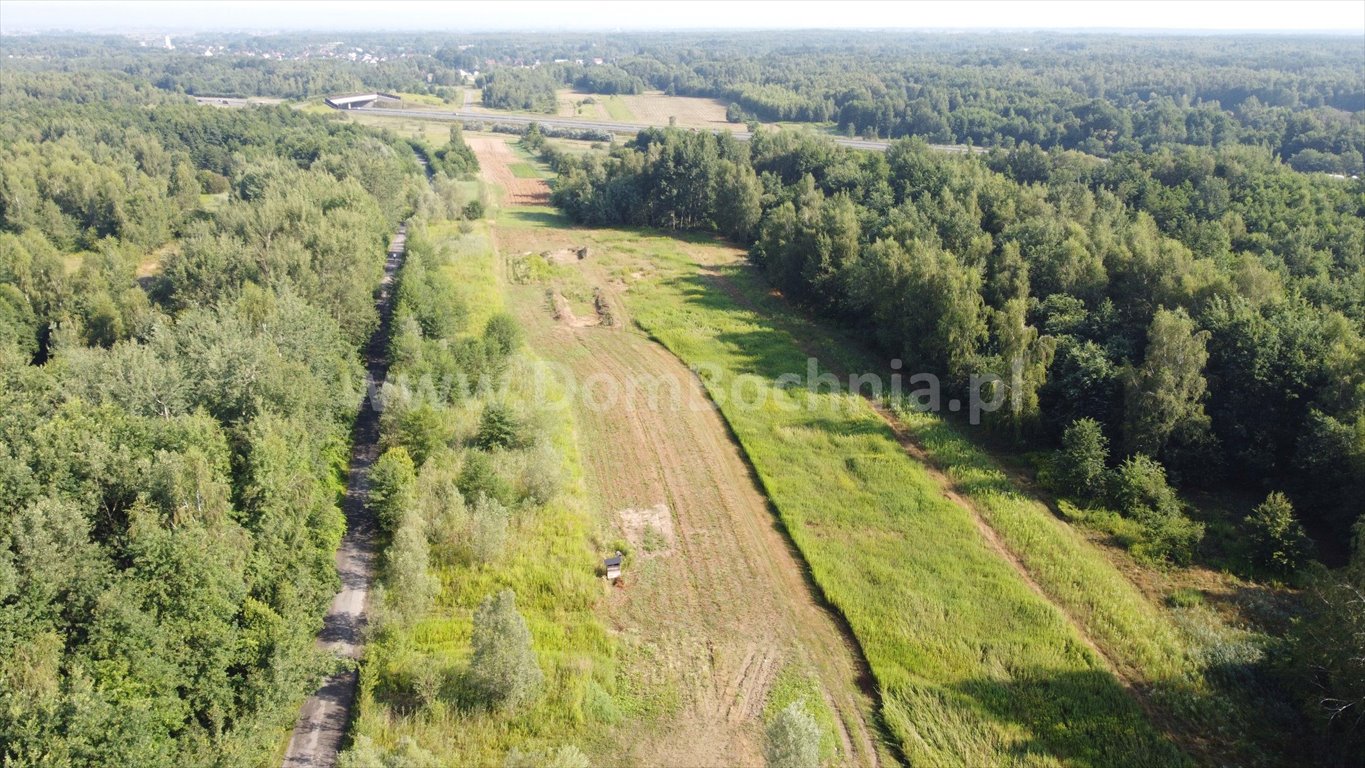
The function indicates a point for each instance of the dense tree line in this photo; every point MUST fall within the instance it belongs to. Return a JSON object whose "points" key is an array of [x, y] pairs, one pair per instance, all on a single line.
{"points": [[1302, 97], [521, 88], [179, 386]]}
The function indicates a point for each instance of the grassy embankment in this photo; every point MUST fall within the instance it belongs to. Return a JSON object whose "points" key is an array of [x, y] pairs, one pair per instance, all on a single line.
{"points": [[617, 109]]}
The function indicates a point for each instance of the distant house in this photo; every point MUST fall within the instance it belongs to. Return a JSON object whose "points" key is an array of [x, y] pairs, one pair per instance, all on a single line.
{"points": [[358, 100], [613, 565]]}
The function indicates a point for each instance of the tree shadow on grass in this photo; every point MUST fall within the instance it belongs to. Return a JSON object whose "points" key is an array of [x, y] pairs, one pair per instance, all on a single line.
{"points": [[1077, 718], [536, 217]]}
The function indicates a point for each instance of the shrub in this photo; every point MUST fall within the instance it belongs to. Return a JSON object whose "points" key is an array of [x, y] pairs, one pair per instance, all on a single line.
{"points": [[500, 428], [478, 477], [1278, 541], [366, 754], [542, 477], [501, 336], [1139, 484], [486, 532], [1168, 536], [1139, 489], [392, 478], [472, 210], [423, 431], [503, 672], [409, 585], [1079, 467], [1328, 648], [793, 739], [211, 183]]}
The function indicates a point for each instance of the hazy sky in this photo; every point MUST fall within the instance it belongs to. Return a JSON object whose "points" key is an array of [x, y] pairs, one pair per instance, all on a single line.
{"points": [[1321, 15]]}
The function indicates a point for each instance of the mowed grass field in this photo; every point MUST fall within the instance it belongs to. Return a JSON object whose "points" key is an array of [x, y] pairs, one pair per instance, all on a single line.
{"points": [[617, 109], [975, 667]]}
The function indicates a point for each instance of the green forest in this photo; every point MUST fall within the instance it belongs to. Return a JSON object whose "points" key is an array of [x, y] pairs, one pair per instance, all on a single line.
{"points": [[1154, 245], [173, 444], [1300, 97]]}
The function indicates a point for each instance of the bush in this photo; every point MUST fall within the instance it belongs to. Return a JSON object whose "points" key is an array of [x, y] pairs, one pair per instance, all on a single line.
{"points": [[211, 183], [503, 672], [500, 428], [1139, 485], [1328, 651], [1278, 542], [423, 431], [479, 477], [1139, 489], [391, 486], [366, 754], [1079, 467], [409, 585], [542, 477], [472, 210], [793, 739], [501, 336], [1167, 536], [486, 531]]}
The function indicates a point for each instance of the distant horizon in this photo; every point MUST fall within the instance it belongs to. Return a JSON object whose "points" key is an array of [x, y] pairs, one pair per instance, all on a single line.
{"points": [[1317, 17]]}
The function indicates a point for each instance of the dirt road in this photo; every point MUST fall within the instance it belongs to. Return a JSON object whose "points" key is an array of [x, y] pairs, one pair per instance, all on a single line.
{"points": [[325, 715]]}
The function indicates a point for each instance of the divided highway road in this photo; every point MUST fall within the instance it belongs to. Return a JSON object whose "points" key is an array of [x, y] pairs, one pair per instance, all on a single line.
{"points": [[612, 127]]}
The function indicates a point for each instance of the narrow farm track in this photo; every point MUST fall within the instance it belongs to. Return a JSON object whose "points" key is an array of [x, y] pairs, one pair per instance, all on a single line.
{"points": [[495, 159], [324, 717]]}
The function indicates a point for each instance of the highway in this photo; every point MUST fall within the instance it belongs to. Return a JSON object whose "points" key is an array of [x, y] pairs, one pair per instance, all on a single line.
{"points": [[876, 145]]}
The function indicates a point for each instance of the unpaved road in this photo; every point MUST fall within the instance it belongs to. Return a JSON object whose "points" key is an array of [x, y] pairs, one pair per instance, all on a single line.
{"points": [[715, 602], [325, 715]]}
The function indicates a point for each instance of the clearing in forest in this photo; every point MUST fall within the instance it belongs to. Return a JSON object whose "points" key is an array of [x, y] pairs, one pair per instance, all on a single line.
{"points": [[976, 661], [715, 611], [654, 108], [717, 622]]}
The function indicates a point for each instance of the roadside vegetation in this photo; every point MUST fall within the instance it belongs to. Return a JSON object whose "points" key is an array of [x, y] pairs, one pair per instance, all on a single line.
{"points": [[486, 640]]}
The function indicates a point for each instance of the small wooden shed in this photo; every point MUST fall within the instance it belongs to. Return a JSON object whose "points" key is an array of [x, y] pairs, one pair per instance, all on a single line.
{"points": [[613, 566]]}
